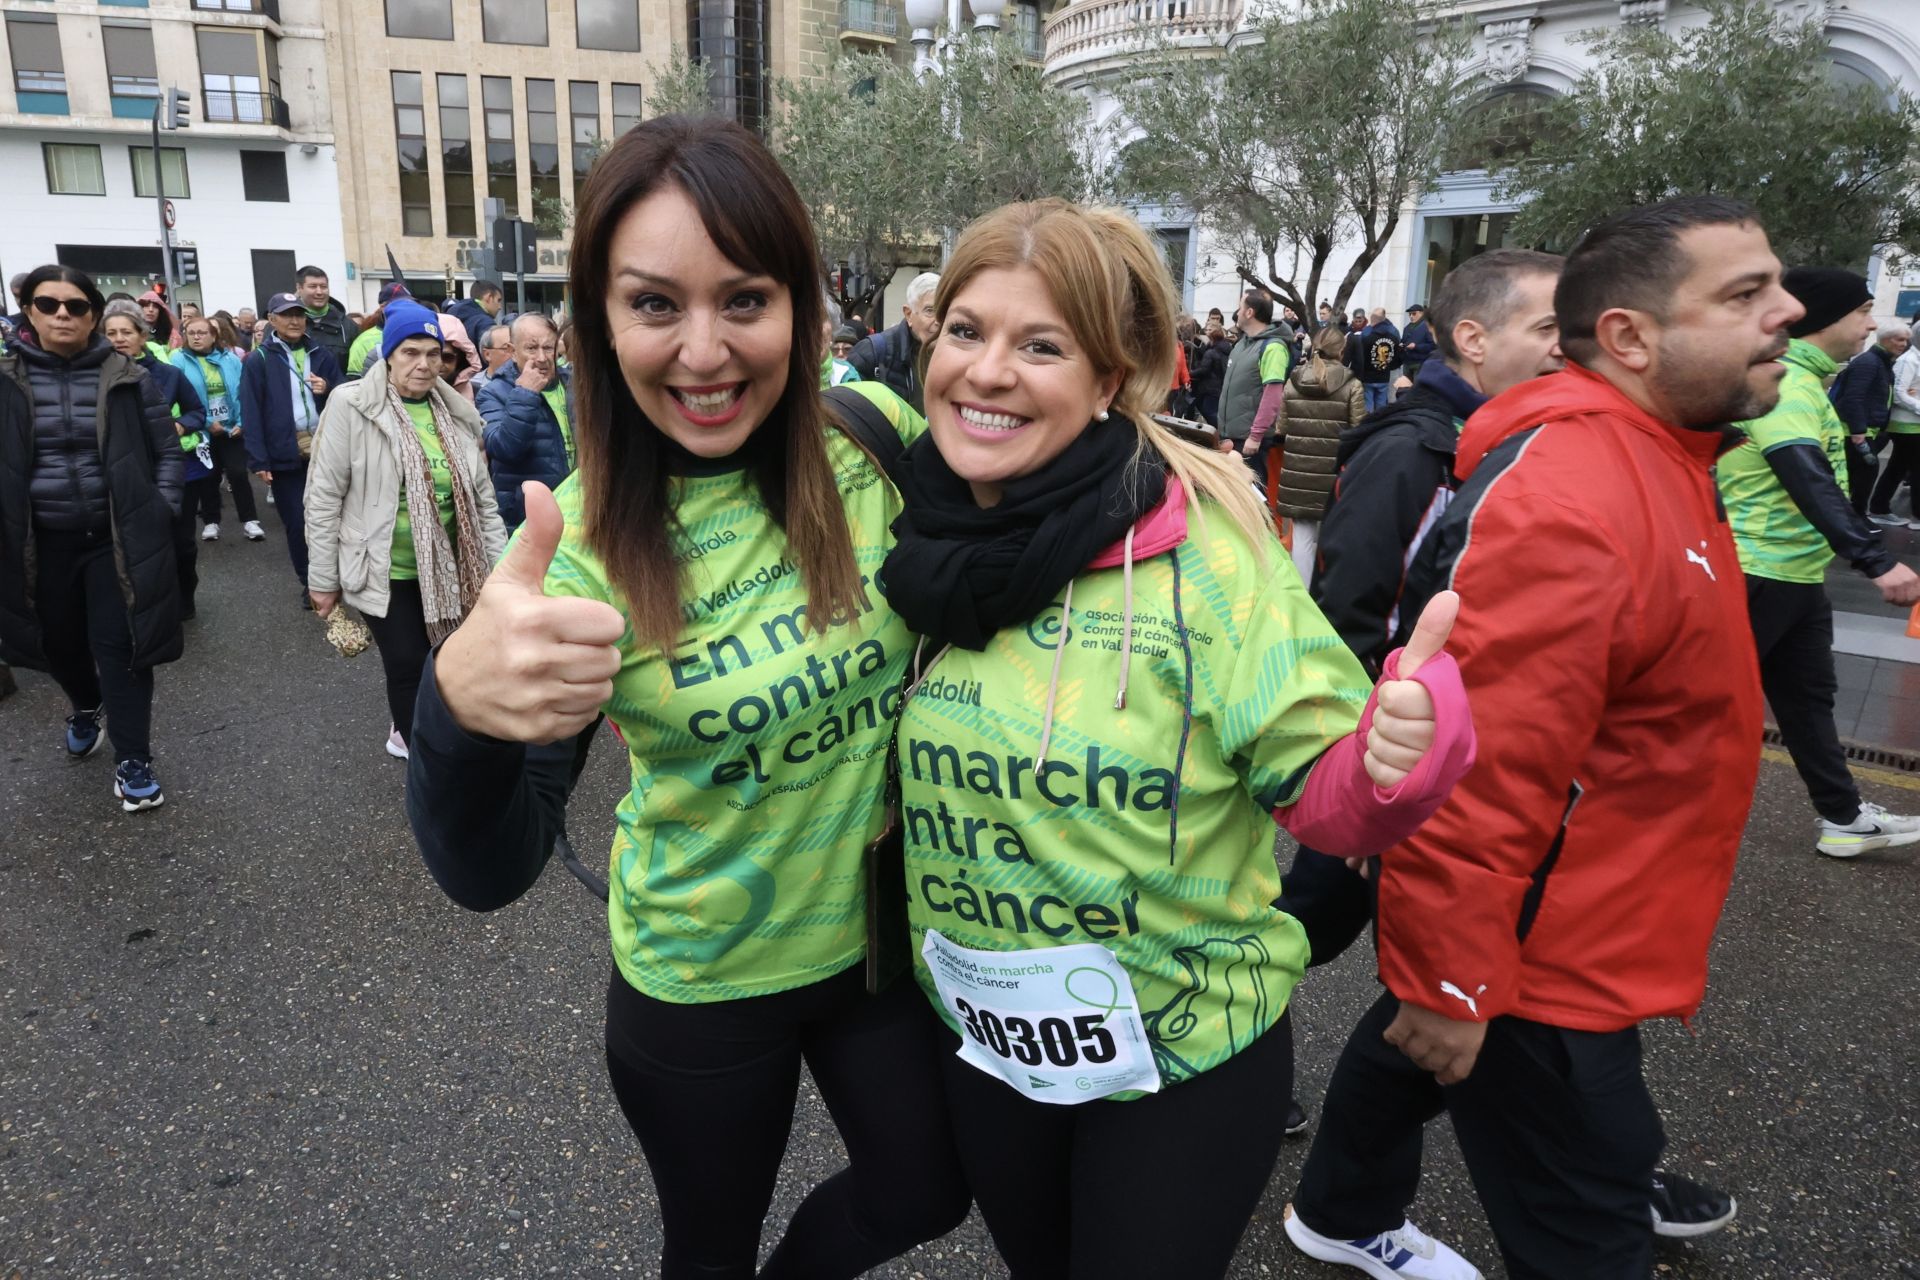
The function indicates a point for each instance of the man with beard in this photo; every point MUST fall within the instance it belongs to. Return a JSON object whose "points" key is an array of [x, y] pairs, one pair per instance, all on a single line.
{"points": [[1786, 496], [1569, 888]]}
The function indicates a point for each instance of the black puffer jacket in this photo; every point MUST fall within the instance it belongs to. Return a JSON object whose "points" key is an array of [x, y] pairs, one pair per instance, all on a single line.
{"points": [[84, 449]]}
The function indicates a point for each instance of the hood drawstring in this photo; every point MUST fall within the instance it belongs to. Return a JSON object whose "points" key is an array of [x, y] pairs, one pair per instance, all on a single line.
{"points": [[1126, 633], [1053, 681], [1186, 714]]}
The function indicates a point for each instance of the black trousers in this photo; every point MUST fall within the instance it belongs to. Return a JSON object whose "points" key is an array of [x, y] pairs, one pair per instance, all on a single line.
{"points": [[186, 535], [402, 640], [1332, 902], [709, 1091], [1559, 1134], [1793, 631], [1903, 465], [229, 460], [1060, 1186], [87, 638], [290, 500]]}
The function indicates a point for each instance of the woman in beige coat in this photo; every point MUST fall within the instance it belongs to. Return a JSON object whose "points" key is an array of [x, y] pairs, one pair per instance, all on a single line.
{"points": [[1323, 399], [401, 516]]}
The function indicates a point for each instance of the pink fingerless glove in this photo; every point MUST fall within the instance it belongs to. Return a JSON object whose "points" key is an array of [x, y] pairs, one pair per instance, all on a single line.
{"points": [[1341, 812]]}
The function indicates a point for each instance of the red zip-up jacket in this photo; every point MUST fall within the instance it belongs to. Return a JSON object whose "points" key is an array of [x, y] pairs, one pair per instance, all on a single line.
{"points": [[1576, 874]]}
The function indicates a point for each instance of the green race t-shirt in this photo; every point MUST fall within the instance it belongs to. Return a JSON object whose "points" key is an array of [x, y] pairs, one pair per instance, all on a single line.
{"points": [[1276, 362], [1773, 538], [1004, 854], [758, 747], [556, 398], [406, 566], [365, 348]]}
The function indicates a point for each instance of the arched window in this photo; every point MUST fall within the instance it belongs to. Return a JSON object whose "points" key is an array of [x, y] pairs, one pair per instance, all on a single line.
{"points": [[1851, 73], [1503, 126]]}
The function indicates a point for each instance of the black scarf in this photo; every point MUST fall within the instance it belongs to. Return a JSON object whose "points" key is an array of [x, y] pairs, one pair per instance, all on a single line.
{"points": [[959, 572]]}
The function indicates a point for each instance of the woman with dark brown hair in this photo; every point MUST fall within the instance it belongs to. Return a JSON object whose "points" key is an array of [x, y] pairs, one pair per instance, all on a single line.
{"points": [[705, 578]]}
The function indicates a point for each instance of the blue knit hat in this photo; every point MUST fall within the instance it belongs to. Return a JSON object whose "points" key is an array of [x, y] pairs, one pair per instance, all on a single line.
{"points": [[405, 319]]}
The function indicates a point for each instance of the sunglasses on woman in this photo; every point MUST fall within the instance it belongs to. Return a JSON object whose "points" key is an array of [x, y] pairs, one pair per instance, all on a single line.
{"points": [[75, 307]]}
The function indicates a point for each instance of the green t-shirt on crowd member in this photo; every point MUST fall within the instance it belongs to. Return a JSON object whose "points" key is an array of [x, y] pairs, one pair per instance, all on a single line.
{"points": [[556, 398], [1006, 855], [1276, 362], [365, 349], [1774, 539], [406, 565], [757, 747]]}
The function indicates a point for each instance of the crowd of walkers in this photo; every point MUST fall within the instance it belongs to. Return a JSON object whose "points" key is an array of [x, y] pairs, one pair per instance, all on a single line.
{"points": [[965, 692]]}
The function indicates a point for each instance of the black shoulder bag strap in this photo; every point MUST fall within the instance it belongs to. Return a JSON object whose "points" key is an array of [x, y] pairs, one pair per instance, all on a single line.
{"points": [[867, 424]]}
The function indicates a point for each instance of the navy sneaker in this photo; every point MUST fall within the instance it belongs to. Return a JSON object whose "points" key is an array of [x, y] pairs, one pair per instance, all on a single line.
{"points": [[136, 786], [1683, 1208], [83, 733]]}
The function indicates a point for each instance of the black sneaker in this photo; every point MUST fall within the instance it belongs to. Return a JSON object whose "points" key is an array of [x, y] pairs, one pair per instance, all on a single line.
{"points": [[306, 601], [1683, 1208], [1297, 1121]]}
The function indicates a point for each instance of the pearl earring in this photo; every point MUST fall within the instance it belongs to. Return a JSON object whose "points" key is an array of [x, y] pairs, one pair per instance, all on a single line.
{"points": [[1100, 416]]}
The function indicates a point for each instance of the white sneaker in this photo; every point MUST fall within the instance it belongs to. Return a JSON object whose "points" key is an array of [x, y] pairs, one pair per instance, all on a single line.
{"points": [[1405, 1253], [211, 533], [396, 745], [1891, 520], [1875, 828], [253, 531]]}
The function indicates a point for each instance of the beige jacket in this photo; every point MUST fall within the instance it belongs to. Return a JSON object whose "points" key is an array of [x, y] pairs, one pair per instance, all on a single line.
{"points": [[353, 491]]}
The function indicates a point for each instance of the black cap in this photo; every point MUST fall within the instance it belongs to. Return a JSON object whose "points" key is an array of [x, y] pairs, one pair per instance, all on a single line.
{"points": [[1827, 293], [1421, 307]]}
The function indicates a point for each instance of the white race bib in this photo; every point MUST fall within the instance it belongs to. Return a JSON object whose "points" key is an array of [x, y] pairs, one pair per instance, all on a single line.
{"points": [[219, 411], [1059, 1024]]}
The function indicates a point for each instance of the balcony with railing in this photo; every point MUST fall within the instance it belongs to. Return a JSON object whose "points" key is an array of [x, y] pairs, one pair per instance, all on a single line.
{"points": [[264, 8], [229, 106], [869, 22], [1091, 32]]}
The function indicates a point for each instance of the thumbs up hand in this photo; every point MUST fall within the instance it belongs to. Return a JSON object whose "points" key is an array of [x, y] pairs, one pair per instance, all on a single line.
{"points": [[525, 667], [1403, 713]]}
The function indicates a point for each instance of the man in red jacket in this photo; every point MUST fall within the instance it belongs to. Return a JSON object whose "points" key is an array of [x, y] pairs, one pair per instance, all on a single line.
{"points": [[1570, 887]]}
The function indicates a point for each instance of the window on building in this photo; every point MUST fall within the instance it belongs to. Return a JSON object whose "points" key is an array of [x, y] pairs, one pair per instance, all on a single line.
{"points": [[37, 65], [513, 21], [420, 19], [730, 37], [608, 24], [130, 69], [74, 169], [263, 176], [543, 156], [173, 165], [496, 104], [456, 155], [232, 77], [410, 138], [1502, 127], [626, 107], [583, 110]]}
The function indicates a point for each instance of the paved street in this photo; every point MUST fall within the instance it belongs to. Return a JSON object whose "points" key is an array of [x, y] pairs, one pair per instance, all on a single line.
{"points": [[244, 1036]]}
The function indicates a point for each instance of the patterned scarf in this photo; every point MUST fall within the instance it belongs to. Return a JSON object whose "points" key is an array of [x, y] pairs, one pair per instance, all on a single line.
{"points": [[450, 582]]}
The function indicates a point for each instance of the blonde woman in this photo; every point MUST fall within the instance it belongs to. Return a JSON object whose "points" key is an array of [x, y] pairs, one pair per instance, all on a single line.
{"points": [[1118, 692]]}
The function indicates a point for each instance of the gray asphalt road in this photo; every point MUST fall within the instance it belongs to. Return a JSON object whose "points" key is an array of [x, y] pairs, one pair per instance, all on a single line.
{"points": [[243, 1036]]}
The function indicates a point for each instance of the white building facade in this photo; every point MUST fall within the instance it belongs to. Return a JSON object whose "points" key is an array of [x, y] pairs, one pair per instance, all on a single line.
{"points": [[1526, 47], [252, 179]]}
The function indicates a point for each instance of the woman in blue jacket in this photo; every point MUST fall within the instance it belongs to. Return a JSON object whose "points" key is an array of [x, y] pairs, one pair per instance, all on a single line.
{"points": [[214, 372]]}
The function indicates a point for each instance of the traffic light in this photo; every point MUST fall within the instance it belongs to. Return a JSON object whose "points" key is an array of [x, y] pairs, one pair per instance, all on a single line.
{"points": [[186, 266], [175, 114]]}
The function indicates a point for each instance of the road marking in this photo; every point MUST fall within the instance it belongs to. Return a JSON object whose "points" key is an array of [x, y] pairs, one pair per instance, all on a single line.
{"points": [[1905, 781]]}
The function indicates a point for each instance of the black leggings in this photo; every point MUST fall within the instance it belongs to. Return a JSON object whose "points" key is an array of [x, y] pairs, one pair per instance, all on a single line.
{"points": [[709, 1090], [88, 640], [229, 460], [1903, 464], [402, 640], [1061, 1187]]}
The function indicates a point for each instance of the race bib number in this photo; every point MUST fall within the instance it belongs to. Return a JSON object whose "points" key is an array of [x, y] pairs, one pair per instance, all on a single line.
{"points": [[218, 412], [1059, 1024]]}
